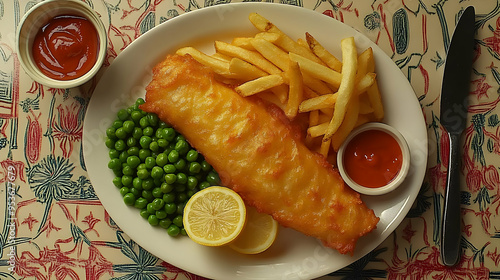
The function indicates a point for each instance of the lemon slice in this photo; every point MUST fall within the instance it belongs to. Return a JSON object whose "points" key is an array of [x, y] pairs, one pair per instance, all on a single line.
{"points": [[258, 235], [214, 216]]}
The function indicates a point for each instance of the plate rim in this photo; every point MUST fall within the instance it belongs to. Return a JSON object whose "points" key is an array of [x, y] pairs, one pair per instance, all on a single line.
{"points": [[89, 127]]}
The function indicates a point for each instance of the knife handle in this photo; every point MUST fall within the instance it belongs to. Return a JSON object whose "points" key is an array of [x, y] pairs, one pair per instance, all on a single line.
{"points": [[451, 229]]}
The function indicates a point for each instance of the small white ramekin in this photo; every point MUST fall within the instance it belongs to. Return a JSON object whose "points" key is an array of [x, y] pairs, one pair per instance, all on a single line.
{"points": [[36, 18], [400, 177]]}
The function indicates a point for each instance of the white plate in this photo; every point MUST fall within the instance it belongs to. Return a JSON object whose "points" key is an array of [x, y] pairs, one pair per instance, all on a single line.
{"points": [[293, 256]]}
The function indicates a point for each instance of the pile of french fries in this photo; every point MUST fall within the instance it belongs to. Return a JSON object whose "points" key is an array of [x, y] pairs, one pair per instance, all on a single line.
{"points": [[301, 77]]}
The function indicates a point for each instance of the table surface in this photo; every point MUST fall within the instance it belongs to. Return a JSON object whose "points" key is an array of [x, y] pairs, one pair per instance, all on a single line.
{"points": [[61, 230]]}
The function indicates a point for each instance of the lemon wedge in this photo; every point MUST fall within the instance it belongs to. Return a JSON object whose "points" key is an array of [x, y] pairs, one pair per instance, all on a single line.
{"points": [[214, 216], [258, 235]]}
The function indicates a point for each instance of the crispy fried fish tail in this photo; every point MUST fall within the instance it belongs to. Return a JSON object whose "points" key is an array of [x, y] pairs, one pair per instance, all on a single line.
{"points": [[257, 154]]}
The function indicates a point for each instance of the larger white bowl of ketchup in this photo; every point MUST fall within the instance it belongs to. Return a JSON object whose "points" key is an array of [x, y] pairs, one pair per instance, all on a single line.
{"points": [[61, 43], [374, 159]]}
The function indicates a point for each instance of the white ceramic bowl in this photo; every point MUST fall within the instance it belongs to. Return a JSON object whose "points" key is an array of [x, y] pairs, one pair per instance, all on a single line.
{"points": [[36, 18], [398, 179]]}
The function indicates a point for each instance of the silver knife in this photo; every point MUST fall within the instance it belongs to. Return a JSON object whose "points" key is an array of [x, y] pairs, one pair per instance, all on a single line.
{"points": [[454, 95]]}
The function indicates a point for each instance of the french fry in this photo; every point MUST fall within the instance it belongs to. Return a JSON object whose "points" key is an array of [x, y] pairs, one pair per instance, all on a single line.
{"points": [[325, 148], [260, 84], [317, 130], [296, 85], [365, 83], [219, 66], [268, 36], [376, 101], [329, 59], [347, 85], [349, 123], [249, 56], [285, 42], [271, 52], [243, 42], [374, 92], [317, 103], [244, 71], [317, 70], [365, 107]]}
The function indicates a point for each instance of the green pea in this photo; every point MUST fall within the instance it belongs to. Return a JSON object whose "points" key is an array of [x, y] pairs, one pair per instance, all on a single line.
{"points": [[143, 122], [147, 194], [136, 116], [145, 141], [192, 155], [135, 192], [153, 146], [162, 143], [213, 178], [117, 181], [173, 156], [131, 142], [148, 131], [169, 198], [144, 213], [121, 133], [143, 173], [169, 134], [170, 178], [133, 151], [150, 162], [157, 192], [161, 214], [127, 180], [144, 153], [122, 114], [129, 199], [137, 133], [124, 191], [166, 188], [194, 167], [137, 183], [110, 143], [158, 203], [150, 208], [182, 197], [128, 170], [169, 168], [180, 164], [182, 147], [110, 133], [113, 153], [173, 230], [133, 161], [180, 208], [114, 163], [152, 119], [181, 178], [192, 182], [170, 208], [177, 221], [165, 223], [204, 185], [117, 124], [205, 166], [120, 145], [161, 159], [153, 220], [148, 183], [141, 203], [123, 156]]}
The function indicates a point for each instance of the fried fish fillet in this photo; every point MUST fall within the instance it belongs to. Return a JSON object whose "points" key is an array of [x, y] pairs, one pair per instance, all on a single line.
{"points": [[258, 154]]}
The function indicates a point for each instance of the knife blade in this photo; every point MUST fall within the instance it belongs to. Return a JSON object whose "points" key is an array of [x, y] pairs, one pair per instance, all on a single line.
{"points": [[453, 116]]}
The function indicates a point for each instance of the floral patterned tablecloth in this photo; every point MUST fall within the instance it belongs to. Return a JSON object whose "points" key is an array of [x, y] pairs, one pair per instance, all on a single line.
{"points": [[54, 227]]}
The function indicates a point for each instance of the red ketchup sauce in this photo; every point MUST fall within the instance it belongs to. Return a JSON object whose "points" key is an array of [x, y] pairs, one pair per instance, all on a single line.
{"points": [[373, 158], [66, 47]]}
